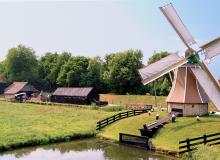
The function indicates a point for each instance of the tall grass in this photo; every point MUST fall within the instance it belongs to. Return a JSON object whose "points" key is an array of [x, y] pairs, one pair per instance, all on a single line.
{"points": [[24, 124], [168, 137], [132, 99], [204, 152]]}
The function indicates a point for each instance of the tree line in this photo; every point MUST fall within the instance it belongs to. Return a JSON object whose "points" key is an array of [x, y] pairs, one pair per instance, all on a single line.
{"points": [[115, 73]]}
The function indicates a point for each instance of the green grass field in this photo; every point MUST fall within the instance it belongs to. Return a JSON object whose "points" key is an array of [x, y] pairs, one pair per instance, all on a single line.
{"points": [[23, 124], [133, 99], [129, 125], [185, 127], [139, 100], [29, 124], [169, 136]]}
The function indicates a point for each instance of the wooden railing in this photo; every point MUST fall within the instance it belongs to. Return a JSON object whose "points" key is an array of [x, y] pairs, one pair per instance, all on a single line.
{"points": [[116, 117], [190, 144], [140, 141]]}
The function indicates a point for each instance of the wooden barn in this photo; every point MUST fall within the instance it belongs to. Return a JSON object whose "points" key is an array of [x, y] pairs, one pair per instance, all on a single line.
{"points": [[83, 95], [19, 87], [3, 86]]}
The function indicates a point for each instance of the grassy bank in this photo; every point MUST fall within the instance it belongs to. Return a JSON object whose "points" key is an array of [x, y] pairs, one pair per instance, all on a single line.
{"points": [[30, 124], [168, 137], [185, 127], [132, 99], [139, 100], [203, 152], [129, 125]]}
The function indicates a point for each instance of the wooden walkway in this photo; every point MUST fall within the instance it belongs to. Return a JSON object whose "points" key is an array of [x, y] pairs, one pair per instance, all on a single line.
{"points": [[150, 130]]}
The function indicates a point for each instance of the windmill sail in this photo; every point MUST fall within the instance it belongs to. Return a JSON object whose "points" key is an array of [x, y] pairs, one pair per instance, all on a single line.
{"points": [[173, 18], [208, 83], [212, 48], [161, 67]]}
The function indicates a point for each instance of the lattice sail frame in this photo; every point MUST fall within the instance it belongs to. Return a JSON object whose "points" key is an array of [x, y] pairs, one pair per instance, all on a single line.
{"points": [[177, 24]]}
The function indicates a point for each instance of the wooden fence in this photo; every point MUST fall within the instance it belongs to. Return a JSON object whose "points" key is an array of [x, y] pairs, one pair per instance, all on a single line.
{"points": [[190, 144], [140, 141], [116, 117]]}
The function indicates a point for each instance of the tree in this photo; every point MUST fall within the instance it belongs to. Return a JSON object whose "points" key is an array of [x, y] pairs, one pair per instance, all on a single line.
{"points": [[94, 74], [50, 65], [162, 84], [73, 72], [21, 65], [122, 71]]}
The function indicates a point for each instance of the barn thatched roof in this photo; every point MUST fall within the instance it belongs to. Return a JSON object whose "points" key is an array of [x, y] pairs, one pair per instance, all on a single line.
{"points": [[16, 87], [76, 92]]}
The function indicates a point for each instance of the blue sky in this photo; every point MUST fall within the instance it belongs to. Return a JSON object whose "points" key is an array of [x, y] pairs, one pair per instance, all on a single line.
{"points": [[95, 28]]}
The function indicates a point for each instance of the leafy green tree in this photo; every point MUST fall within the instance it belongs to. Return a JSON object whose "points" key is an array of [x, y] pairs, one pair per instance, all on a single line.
{"points": [[73, 72], [122, 71], [162, 84], [2, 69], [50, 66], [157, 56], [94, 74], [21, 64]]}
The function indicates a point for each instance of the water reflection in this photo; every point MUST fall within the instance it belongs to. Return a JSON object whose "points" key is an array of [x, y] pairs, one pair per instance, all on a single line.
{"points": [[92, 149]]}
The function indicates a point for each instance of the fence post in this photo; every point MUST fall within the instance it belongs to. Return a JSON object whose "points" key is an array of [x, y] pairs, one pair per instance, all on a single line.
{"points": [[107, 121], [134, 112], [188, 143], [127, 113], [120, 137], [204, 138], [114, 118], [99, 127], [119, 115]]}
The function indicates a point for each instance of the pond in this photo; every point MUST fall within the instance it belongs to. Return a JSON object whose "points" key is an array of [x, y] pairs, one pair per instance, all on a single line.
{"points": [[88, 149]]}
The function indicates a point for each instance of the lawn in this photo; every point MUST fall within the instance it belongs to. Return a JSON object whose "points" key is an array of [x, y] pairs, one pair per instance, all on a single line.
{"points": [[169, 136], [29, 124], [129, 125], [185, 127], [133, 99], [23, 124], [139, 99]]}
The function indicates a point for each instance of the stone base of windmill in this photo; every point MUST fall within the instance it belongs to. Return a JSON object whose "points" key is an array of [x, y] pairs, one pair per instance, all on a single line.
{"points": [[187, 109]]}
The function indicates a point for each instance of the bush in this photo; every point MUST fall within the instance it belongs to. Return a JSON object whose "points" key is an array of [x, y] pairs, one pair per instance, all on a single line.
{"points": [[204, 152], [114, 108]]}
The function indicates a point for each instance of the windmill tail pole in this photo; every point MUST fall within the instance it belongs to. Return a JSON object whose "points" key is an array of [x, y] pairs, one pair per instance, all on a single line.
{"points": [[155, 95]]}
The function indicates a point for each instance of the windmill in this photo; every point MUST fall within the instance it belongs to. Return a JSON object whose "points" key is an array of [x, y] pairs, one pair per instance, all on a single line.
{"points": [[193, 85]]}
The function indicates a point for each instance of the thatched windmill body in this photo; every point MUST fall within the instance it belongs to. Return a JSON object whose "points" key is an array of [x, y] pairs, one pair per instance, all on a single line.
{"points": [[193, 85]]}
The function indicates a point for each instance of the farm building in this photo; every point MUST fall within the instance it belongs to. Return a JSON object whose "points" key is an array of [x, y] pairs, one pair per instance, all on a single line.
{"points": [[84, 95], [187, 97], [3, 85], [19, 87]]}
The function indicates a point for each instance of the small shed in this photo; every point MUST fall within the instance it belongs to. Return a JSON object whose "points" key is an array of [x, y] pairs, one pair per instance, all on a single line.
{"points": [[19, 87], [80, 95], [3, 86]]}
